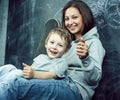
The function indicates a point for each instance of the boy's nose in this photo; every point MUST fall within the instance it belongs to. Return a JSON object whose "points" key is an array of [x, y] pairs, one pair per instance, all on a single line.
{"points": [[54, 46]]}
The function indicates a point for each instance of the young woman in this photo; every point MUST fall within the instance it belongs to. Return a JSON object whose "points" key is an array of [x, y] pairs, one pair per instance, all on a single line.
{"points": [[79, 21], [81, 79]]}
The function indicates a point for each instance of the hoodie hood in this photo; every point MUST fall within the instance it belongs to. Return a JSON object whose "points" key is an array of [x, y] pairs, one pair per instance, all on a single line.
{"points": [[91, 34]]}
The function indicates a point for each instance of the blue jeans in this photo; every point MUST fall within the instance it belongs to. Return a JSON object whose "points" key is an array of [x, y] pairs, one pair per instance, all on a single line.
{"points": [[36, 89], [6, 68], [8, 72]]}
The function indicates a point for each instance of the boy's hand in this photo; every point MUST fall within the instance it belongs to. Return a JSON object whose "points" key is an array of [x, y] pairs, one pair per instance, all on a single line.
{"points": [[27, 71]]}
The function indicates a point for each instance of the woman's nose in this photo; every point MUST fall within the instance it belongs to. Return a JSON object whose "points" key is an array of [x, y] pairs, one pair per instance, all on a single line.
{"points": [[70, 21]]}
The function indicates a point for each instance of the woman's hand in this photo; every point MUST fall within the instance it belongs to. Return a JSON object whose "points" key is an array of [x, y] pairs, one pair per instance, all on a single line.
{"points": [[82, 49], [27, 71]]}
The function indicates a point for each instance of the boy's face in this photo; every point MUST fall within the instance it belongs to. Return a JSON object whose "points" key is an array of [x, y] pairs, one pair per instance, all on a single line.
{"points": [[55, 46]]}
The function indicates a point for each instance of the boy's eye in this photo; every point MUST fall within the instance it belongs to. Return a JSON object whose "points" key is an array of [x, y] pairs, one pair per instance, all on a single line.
{"points": [[60, 45]]}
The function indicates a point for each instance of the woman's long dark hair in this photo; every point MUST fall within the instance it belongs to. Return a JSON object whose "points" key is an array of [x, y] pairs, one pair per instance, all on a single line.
{"points": [[85, 11]]}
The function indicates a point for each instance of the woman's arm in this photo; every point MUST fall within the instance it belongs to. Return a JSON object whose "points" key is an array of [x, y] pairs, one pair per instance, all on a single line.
{"points": [[93, 62], [91, 55]]}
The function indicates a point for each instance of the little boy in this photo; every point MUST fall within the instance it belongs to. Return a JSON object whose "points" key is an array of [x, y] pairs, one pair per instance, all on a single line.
{"points": [[44, 66]]}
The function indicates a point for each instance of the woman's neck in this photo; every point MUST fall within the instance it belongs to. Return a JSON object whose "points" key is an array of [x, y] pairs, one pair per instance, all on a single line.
{"points": [[77, 36]]}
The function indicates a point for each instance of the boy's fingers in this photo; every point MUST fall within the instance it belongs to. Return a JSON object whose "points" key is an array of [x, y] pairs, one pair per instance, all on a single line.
{"points": [[24, 65]]}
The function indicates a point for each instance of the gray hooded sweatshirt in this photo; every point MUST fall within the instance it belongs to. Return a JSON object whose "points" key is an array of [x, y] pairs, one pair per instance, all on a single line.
{"points": [[87, 72]]}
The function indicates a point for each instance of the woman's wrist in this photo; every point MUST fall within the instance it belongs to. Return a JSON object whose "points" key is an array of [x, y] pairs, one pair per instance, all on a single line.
{"points": [[84, 57]]}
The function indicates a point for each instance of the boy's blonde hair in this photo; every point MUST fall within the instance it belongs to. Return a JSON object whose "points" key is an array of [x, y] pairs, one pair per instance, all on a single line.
{"points": [[63, 33]]}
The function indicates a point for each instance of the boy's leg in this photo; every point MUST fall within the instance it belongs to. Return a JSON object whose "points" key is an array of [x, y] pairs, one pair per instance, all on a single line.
{"points": [[7, 72], [13, 74], [6, 68], [7, 81], [6, 92]]}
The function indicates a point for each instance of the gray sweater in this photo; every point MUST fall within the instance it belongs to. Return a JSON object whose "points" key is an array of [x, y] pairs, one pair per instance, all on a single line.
{"points": [[87, 72], [44, 63]]}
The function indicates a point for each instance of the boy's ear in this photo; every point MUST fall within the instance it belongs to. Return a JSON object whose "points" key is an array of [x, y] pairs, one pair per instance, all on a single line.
{"points": [[66, 50], [45, 45]]}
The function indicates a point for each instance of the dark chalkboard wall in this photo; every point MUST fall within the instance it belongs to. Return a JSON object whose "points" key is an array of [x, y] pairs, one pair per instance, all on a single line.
{"points": [[26, 26]]}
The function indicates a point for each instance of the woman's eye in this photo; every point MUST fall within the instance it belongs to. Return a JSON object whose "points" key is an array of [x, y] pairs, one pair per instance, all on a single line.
{"points": [[51, 42], [75, 17], [66, 19]]}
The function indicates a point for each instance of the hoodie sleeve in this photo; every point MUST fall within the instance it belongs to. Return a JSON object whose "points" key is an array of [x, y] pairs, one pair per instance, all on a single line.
{"points": [[93, 63]]}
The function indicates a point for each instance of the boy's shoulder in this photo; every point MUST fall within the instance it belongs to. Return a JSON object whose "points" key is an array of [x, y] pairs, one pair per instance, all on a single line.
{"points": [[41, 57]]}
